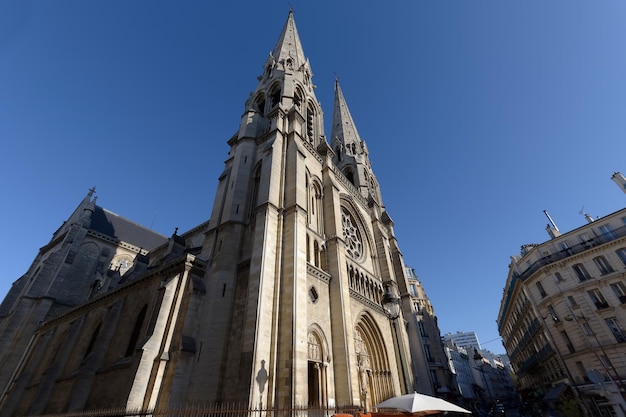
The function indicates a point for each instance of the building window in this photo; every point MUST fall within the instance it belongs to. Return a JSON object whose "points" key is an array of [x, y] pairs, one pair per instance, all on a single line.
{"points": [[572, 301], [413, 290], [582, 371], [275, 95], [310, 112], [581, 272], [598, 299], [603, 265], [616, 329], [607, 232], [565, 248], [428, 353], [132, 343], [568, 342], [542, 292], [351, 235], [622, 254], [558, 276], [422, 328], [620, 291], [585, 240]]}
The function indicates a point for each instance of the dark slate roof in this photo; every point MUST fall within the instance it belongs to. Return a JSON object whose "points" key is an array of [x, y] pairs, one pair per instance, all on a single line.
{"points": [[110, 224]]}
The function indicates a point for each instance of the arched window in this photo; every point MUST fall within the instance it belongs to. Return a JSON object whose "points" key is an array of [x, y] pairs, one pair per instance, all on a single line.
{"points": [[349, 175], [310, 130], [259, 104], [314, 209], [275, 95], [132, 343], [297, 98], [92, 342], [316, 253]]}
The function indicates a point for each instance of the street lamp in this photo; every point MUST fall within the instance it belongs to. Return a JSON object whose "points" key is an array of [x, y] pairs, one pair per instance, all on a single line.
{"points": [[391, 307], [391, 304]]}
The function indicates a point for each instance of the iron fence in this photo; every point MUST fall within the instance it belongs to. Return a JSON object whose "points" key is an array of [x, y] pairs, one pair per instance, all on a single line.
{"points": [[213, 410]]}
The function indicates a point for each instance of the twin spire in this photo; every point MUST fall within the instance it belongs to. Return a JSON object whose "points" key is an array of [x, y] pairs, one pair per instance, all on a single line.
{"points": [[288, 53], [343, 128]]}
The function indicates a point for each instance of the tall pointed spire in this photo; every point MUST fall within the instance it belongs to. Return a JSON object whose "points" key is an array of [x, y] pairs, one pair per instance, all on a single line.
{"points": [[288, 48], [285, 86], [343, 128]]}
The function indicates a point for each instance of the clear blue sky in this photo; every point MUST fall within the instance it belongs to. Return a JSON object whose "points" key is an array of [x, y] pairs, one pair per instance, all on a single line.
{"points": [[478, 116]]}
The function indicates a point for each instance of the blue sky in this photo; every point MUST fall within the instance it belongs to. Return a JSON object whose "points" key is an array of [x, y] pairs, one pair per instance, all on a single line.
{"points": [[478, 115]]}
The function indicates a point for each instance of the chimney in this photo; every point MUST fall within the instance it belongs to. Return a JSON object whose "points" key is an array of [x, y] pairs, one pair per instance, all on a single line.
{"points": [[551, 228], [619, 180]]}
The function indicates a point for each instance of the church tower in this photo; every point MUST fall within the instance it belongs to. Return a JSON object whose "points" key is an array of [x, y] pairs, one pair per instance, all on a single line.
{"points": [[277, 301], [302, 251]]}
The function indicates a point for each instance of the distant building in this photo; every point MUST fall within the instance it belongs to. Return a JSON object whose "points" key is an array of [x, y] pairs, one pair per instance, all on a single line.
{"points": [[562, 316], [430, 364], [459, 364], [481, 377], [463, 339]]}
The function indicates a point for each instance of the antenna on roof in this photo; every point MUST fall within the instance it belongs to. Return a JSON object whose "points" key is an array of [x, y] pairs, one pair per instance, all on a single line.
{"points": [[587, 216]]}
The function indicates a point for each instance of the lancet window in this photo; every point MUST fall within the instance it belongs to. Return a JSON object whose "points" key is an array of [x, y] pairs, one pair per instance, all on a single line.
{"points": [[310, 118], [275, 95], [314, 209], [364, 285]]}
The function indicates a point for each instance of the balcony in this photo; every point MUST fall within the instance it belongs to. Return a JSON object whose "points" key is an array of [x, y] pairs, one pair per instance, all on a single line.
{"points": [[573, 250], [536, 358]]}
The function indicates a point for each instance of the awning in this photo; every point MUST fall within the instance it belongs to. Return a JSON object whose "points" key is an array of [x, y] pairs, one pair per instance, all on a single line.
{"points": [[555, 392]]}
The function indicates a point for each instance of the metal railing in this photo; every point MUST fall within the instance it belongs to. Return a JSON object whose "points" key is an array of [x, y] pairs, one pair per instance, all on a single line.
{"points": [[213, 410]]}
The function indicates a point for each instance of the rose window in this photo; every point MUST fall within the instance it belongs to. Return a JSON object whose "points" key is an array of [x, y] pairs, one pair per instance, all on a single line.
{"points": [[354, 247]]}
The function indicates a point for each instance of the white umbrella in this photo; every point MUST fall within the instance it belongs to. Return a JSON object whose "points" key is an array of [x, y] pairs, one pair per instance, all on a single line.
{"points": [[421, 404]]}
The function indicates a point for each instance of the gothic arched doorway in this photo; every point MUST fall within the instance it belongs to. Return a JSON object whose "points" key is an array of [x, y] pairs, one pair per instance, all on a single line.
{"points": [[317, 378], [375, 377]]}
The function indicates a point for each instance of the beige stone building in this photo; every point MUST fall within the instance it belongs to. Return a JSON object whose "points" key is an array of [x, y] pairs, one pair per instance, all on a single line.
{"points": [[563, 315], [276, 300], [430, 362]]}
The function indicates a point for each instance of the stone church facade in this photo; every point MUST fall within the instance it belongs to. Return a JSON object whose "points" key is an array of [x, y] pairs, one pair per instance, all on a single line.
{"points": [[276, 300]]}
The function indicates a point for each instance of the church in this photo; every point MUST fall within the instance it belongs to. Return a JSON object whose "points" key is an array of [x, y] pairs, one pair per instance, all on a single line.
{"points": [[291, 294]]}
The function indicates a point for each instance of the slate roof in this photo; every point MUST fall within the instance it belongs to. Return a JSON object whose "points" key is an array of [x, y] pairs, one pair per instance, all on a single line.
{"points": [[115, 226]]}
